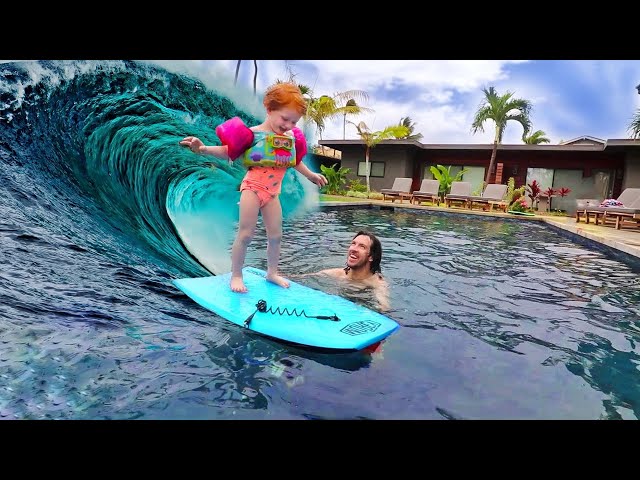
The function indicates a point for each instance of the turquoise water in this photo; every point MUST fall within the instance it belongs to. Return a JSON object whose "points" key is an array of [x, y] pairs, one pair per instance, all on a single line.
{"points": [[501, 319], [100, 210]]}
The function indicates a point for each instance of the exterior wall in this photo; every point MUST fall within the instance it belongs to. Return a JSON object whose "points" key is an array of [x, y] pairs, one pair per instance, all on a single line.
{"points": [[515, 164], [631, 171], [398, 163], [573, 167], [581, 187]]}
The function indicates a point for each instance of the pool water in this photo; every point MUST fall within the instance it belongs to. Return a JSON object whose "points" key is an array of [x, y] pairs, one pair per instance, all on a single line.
{"points": [[501, 319]]}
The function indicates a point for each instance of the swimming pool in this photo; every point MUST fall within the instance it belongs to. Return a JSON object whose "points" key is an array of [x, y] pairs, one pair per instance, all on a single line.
{"points": [[500, 319]]}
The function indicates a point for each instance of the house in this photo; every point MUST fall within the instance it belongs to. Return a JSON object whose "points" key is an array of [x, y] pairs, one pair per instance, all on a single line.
{"points": [[589, 166]]}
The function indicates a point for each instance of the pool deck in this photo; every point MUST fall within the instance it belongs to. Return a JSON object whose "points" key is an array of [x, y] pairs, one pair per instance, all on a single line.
{"points": [[627, 239]]}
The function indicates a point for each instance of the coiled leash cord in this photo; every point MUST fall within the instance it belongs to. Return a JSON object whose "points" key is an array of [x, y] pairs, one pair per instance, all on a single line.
{"points": [[261, 306]]}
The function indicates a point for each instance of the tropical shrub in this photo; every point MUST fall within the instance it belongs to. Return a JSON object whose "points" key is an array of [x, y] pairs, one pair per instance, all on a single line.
{"points": [[533, 191], [513, 193], [520, 205], [354, 194], [335, 179], [356, 185], [443, 175]]}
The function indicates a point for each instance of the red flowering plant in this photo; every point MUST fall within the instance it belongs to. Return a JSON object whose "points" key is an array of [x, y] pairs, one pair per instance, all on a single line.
{"points": [[561, 192], [533, 191], [549, 192]]}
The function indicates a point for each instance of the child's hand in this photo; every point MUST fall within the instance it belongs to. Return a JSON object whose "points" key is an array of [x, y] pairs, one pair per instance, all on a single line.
{"points": [[320, 180], [194, 143]]}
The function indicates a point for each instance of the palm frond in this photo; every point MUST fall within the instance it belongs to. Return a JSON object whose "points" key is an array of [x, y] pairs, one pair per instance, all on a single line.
{"points": [[634, 126]]}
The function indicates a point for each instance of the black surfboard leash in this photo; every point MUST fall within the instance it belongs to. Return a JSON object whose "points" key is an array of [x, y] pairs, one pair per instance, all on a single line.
{"points": [[261, 306]]}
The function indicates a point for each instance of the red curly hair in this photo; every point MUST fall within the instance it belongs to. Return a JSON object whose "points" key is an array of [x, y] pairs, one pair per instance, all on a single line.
{"points": [[285, 94]]}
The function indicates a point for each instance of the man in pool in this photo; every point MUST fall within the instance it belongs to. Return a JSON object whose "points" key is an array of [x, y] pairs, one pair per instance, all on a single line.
{"points": [[363, 267]]}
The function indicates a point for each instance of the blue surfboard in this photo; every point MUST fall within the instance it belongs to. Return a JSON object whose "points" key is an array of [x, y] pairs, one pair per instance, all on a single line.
{"points": [[298, 315]]}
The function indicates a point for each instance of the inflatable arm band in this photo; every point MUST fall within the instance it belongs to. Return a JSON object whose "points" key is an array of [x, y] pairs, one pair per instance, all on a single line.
{"points": [[301, 144], [235, 135]]}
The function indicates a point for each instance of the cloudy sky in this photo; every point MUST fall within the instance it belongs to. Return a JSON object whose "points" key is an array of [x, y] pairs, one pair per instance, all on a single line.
{"points": [[571, 98]]}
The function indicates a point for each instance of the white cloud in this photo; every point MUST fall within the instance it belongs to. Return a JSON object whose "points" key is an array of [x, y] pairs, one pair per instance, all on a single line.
{"points": [[570, 98]]}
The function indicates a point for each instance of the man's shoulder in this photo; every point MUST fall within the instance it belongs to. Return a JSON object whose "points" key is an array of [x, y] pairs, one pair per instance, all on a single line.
{"points": [[332, 271], [378, 279]]}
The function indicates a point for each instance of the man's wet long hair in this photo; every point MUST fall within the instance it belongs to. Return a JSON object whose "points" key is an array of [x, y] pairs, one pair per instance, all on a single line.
{"points": [[375, 251]]}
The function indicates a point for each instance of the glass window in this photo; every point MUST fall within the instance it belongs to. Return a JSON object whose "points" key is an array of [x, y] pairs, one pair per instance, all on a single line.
{"points": [[376, 169], [475, 176], [544, 176]]}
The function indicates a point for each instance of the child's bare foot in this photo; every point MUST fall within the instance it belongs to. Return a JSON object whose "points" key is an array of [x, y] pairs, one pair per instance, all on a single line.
{"points": [[278, 280], [237, 285]]}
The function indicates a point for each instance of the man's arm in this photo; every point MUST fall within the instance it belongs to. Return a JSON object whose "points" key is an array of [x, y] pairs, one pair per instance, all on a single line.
{"points": [[330, 271], [381, 292]]}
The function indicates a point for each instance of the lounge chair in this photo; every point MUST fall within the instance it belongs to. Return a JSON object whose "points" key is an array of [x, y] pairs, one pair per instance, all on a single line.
{"points": [[459, 194], [493, 194], [401, 189], [582, 204], [620, 214], [617, 215], [428, 192], [630, 199]]}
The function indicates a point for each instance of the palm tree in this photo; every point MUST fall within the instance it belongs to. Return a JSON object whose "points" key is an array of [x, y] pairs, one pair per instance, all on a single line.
{"points": [[350, 103], [501, 109], [235, 80], [255, 74], [325, 108], [304, 89], [315, 107], [406, 121], [318, 110], [352, 108], [371, 139], [536, 138], [634, 126]]}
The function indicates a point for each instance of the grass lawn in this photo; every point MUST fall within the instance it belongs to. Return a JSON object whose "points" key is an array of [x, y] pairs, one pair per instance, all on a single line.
{"points": [[340, 198]]}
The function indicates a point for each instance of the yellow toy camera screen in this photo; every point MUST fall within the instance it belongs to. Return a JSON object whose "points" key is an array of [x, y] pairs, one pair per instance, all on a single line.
{"points": [[281, 141]]}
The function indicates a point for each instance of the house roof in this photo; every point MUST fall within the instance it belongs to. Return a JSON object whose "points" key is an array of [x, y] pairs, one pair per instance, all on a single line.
{"points": [[594, 144], [584, 138]]}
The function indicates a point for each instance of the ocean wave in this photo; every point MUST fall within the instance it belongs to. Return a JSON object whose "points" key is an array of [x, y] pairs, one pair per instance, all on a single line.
{"points": [[96, 155]]}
